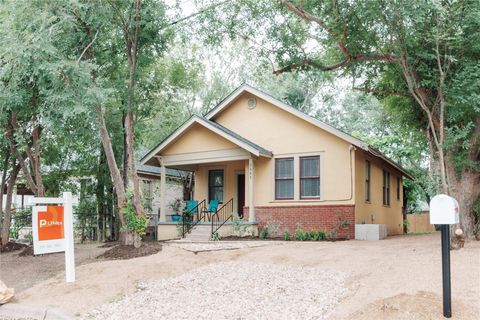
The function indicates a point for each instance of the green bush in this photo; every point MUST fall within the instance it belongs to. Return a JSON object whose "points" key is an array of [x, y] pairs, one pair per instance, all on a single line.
{"points": [[309, 235], [263, 233], [286, 235], [299, 235], [215, 237]]}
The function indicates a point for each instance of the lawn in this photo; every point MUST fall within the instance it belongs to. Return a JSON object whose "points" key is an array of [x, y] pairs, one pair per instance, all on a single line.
{"points": [[397, 278]]}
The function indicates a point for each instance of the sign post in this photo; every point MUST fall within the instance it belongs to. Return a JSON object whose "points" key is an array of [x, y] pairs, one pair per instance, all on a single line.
{"points": [[444, 210], [52, 229]]}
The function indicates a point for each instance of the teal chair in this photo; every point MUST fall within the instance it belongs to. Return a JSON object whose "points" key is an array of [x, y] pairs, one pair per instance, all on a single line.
{"points": [[212, 208], [191, 207]]}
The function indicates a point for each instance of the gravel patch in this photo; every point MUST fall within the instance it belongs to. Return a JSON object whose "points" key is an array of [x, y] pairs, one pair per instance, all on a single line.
{"points": [[220, 245], [233, 290]]}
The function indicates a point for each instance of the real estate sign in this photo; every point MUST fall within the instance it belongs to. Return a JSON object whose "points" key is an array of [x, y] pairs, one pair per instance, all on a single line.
{"points": [[49, 229], [52, 222]]}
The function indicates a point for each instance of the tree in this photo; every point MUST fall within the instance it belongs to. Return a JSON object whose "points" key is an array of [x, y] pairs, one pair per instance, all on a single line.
{"points": [[415, 56]]}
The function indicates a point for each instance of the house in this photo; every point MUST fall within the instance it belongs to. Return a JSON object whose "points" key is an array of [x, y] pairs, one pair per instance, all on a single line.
{"points": [[269, 162]]}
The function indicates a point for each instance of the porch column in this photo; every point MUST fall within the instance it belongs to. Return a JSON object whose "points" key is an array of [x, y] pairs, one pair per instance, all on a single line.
{"points": [[163, 189], [251, 202]]}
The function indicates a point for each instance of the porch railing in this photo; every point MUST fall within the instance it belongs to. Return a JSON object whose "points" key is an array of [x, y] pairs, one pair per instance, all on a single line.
{"points": [[193, 216], [223, 214]]}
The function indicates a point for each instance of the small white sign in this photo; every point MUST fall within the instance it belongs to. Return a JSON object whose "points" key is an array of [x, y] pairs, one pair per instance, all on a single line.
{"points": [[444, 210]]}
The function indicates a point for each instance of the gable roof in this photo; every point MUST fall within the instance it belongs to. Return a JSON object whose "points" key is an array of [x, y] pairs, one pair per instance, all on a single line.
{"points": [[216, 128], [320, 124]]}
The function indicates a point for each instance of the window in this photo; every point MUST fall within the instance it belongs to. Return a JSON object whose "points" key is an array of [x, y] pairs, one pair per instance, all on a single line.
{"points": [[215, 185], [309, 177], [284, 178], [398, 188], [367, 180], [386, 188]]}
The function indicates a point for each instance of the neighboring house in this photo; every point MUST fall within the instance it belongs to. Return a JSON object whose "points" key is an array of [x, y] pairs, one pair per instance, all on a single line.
{"points": [[275, 163], [150, 183]]}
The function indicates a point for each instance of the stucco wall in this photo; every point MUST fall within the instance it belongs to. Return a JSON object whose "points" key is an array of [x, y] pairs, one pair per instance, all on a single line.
{"points": [[289, 136], [374, 211], [198, 139]]}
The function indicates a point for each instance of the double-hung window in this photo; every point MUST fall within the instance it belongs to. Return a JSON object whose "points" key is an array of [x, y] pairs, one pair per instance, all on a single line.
{"points": [[310, 177], [386, 188], [368, 169], [284, 178], [398, 188]]}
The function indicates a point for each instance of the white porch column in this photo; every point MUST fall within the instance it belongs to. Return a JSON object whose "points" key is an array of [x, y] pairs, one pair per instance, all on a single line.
{"points": [[163, 189], [251, 202]]}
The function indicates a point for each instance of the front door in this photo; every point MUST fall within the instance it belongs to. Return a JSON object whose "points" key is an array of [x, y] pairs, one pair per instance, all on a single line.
{"points": [[240, 194]]}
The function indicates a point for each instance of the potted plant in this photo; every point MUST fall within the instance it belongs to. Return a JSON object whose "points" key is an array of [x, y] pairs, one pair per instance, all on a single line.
{"points": [[175, 205]]}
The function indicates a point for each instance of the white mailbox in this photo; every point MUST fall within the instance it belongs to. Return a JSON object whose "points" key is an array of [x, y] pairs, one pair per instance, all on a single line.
{"points": [[444, 210]]}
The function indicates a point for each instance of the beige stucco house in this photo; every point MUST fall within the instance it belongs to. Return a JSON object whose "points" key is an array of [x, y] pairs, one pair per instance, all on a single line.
{"points": [[271, 162]]}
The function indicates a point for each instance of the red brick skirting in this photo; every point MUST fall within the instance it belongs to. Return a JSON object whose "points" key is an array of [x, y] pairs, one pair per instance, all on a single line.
{"points": [[310, 217]]}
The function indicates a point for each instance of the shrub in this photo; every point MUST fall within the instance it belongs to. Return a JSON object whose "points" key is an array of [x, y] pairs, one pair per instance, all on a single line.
{"points": [[286, 235], [273, 227], [215, 237], [309, 235], [299, 235], [263, 233]]}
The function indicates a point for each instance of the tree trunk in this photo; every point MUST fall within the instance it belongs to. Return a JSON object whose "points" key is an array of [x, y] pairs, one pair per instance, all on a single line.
{"points": [[112, 166], [8, 203], [466, 191], [2, 185]]}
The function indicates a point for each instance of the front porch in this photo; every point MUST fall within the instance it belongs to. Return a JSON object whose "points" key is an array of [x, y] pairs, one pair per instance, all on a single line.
{"points": [[224, 181], [223, 164]]}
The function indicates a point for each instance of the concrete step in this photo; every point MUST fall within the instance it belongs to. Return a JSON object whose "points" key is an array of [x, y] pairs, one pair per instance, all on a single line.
{"points": [[200, 233]]}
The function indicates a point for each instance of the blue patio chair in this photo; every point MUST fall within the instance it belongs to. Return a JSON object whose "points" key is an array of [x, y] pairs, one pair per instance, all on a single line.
{"points": [[191, 206], [212, 208]]}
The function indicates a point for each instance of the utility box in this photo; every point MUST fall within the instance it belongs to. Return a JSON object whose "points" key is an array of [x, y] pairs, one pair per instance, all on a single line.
{"points": [[444, 210], [370, 231]]}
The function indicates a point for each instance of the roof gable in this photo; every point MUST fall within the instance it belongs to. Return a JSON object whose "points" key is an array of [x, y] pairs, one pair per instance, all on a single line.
{"points": [[214, 127], [245, 88]]}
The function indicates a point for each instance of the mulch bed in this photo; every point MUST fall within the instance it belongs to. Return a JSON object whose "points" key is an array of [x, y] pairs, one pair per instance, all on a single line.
{"points": [[249, 238], [28, 251], [12, 246], [123, 252], [109, 244]]}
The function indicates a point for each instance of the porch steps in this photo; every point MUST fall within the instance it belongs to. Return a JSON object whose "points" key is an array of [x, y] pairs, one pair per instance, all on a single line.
{"points": [[200, 233]]}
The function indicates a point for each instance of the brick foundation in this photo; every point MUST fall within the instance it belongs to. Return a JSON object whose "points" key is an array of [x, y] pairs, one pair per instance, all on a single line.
{"points": [[318, 217]]}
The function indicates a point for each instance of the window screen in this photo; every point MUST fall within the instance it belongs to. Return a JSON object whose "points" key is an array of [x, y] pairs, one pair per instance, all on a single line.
{"points": [[284, 178], [310, 177], [367, 180], [386, 188]]}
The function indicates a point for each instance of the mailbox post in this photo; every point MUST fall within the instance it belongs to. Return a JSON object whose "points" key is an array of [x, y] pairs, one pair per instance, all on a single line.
{"points": [[444, 211]]}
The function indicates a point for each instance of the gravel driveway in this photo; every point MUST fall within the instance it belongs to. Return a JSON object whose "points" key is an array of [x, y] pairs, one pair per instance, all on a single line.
{"points": [[233, 290]]}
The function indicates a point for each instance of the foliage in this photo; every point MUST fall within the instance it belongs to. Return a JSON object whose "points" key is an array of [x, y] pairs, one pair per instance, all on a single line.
{"points": [[286, 235], [20, 219], [272, 227], [176, 205], [263, 233], [215, 237], [309, 235], [406, 223], [134, 222]]}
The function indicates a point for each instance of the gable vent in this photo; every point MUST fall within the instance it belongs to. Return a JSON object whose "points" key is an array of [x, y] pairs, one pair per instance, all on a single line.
{"points": [[251, 103]]}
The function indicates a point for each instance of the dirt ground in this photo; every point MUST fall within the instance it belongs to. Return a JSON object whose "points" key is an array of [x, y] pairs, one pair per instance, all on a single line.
{"points": [[397, 278]]}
